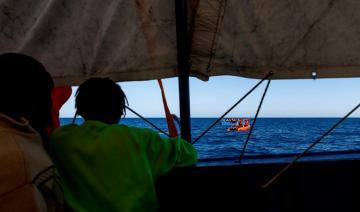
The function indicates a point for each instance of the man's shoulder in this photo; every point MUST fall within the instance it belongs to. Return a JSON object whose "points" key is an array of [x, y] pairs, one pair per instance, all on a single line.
{"points": [[131, 129], [65, 128], [63, 131], [115, 129]]}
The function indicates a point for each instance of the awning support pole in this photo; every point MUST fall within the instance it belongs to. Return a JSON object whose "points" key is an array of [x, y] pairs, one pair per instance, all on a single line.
{"points": [[147, 121], [232, 107], [281, 172], [183, 67], [253, 124]]}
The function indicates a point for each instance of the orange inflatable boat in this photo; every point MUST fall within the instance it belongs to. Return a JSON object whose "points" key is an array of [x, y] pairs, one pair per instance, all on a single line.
{"points": [[239, 128]]}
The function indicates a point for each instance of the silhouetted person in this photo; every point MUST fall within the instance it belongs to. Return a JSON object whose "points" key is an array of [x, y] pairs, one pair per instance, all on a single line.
{"points": [[105, 166], [246, 123], [25, 112], [240, 123]]}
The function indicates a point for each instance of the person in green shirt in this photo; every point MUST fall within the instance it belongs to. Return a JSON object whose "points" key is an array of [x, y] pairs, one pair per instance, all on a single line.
{"points": [[106, 166]]}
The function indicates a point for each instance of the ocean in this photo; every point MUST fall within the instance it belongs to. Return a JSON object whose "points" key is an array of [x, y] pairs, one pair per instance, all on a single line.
{"points": [[270, 135]]}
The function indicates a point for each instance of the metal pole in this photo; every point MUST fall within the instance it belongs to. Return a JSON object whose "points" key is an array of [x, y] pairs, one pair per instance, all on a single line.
{"points": [[253, 124], [183, 67], [147, 121], [232, 107], [267, 184]]}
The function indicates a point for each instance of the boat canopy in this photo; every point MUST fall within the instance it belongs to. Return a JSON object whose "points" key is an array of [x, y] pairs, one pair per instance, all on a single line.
{"points": [[136, 40]]}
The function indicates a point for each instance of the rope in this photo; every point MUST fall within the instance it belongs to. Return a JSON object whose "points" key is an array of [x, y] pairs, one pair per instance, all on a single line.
{"points": [[147, 121], [253, 124], [169, 119], [249, 92], [176, 119], [220, 17], [307, 149]]}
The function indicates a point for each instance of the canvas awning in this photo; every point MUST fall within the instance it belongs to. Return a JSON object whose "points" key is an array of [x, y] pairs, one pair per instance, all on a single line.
{"points": [[136, 40]]}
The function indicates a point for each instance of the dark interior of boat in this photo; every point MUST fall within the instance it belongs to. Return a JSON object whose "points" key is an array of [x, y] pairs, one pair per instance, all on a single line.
{"points": [[318, 182]]}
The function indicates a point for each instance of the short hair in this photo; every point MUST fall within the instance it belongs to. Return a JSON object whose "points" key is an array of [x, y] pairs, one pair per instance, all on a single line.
{"points": [[25, 89], [101, 99]]}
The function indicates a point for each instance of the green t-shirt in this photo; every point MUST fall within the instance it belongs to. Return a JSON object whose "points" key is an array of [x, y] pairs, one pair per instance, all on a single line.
{"points": [[114, 167]]}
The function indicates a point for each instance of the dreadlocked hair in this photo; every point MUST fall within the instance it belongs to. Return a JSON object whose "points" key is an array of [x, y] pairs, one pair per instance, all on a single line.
{"points": [[101, 99]]}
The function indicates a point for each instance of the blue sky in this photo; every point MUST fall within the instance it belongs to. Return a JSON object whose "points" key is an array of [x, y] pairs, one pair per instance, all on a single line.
{"points": [[285, 98]]}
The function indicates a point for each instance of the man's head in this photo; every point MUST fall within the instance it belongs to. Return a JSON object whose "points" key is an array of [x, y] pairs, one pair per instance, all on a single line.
{"points": [[25, 89], [100, 99]]}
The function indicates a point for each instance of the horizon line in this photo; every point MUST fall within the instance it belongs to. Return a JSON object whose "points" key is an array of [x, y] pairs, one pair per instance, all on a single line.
{"points": [[157, 117]]}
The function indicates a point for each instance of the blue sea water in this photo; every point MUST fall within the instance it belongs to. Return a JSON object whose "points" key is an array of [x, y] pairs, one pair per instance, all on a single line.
{"points": [[270, 135]]}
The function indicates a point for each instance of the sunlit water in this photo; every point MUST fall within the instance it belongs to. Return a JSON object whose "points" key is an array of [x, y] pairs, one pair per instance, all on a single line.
{"points": [[270, 135]]}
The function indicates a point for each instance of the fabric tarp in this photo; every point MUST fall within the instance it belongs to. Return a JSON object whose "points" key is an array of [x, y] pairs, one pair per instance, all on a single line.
{"points": [[136, 40], [291, 38]]}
